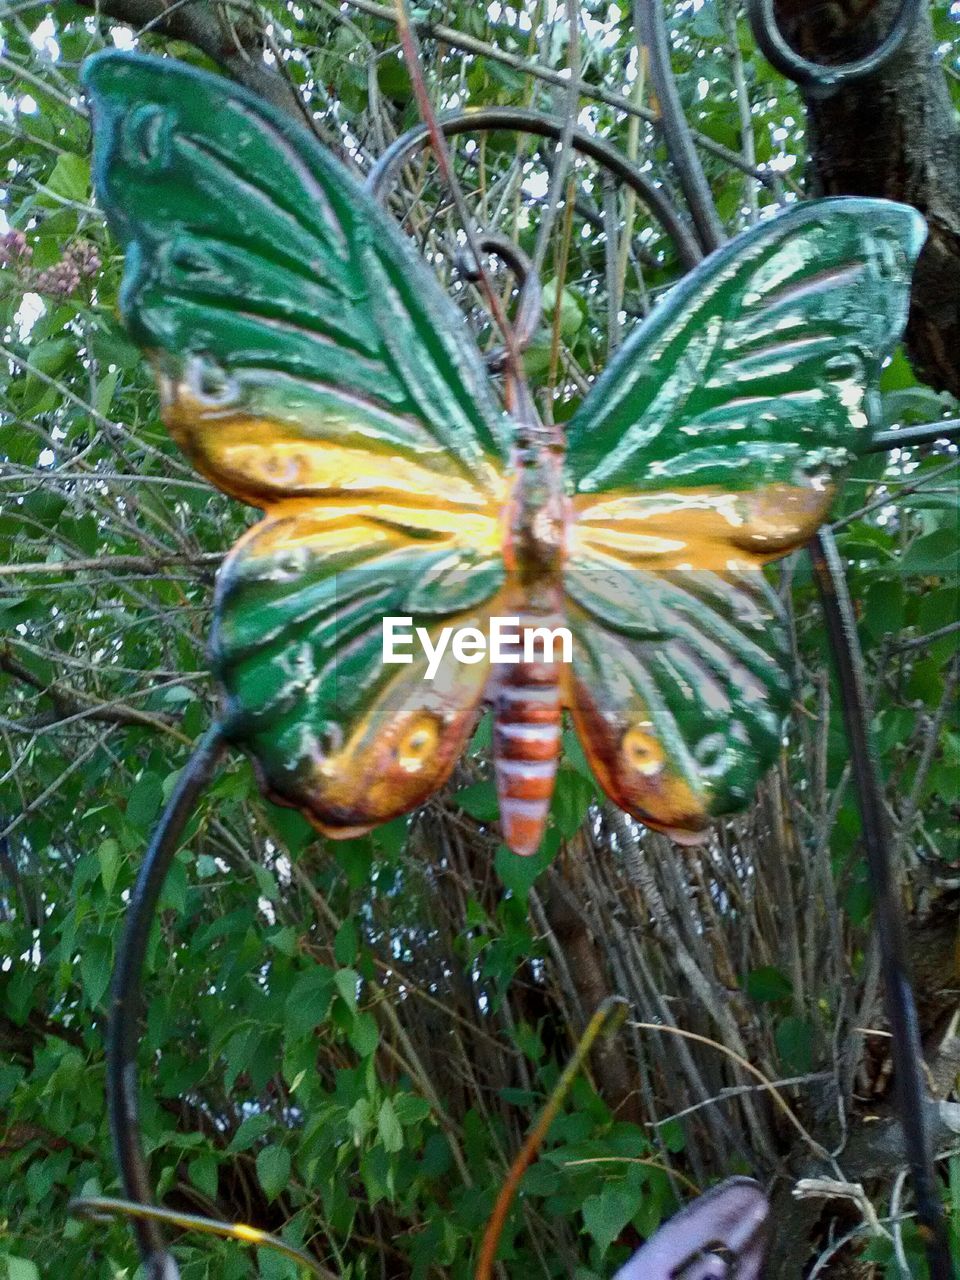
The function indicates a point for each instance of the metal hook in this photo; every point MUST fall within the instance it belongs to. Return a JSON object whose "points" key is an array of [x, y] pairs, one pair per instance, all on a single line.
{"points": [[123, 1029], [814, 75], [531, 294]]}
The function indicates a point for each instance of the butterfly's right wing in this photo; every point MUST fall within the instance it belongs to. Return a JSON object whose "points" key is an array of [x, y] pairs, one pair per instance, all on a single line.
{"points": [[299, 643], [712, 445]]}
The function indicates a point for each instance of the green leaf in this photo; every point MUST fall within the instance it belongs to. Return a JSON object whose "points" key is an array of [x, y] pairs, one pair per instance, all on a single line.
{"points": [[273, 1170], [143, 804], [706, 23], [346, 942], [308, 1003], [21, 1269], [252, 1129], [71, 177], [391, 838], [605, 1215], [572, 308], [96, 960], [768, 983], [274, 1266], [572, 796], [519, 873], [284, 940], [479, 801], [912, 405], [364, 1034], [239, 1050], [106, 387], [937, 552], [346, 981], [204, 1174], [266, 882], [388, 1126], [50, 357], [355, 857], [794, 1037], [393, 78], [108, 855], [672, 1135], [410, 1109]]}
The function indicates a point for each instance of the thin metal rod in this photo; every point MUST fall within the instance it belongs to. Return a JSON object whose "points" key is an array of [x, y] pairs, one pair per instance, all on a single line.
{"points": [[123, 1033], [522, 120], [438, 140], [815, 75], [649, 21], [907, 437], [561, 169], [103, 1208], [906, 1047]]}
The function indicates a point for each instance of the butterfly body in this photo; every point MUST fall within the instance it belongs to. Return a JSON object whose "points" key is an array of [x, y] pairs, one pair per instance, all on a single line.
{"points": [[311, 366]]}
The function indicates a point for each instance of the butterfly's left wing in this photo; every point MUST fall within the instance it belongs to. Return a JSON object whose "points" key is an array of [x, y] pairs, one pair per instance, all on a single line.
{"points": [[310, 364], [712, 445]]}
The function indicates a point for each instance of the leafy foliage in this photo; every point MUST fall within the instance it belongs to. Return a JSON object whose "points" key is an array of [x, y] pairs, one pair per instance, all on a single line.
{"points": [[346, 1043]]}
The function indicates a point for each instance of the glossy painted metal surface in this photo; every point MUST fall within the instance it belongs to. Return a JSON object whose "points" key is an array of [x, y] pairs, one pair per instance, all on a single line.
{"points": [[310, 365], [719, 1236]]}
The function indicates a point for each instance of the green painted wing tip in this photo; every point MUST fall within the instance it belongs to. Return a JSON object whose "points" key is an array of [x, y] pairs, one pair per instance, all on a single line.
{"points": [[100, 67], [907, 223]]}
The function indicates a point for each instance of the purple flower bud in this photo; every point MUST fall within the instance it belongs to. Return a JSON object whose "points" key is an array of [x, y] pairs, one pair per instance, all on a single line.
{"points": [[14, 249], [59, 281], [85, 257]]}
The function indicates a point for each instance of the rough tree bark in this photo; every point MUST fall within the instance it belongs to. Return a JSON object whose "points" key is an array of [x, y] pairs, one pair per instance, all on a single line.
{"points": [[233, 39], [892, 134]]}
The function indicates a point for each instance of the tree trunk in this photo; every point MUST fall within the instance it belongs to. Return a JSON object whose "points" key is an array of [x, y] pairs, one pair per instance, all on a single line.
{"points": [[891, 134]]}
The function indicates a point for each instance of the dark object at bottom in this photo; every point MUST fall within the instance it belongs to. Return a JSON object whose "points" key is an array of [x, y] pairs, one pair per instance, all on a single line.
{"points": [[718, 1236]]}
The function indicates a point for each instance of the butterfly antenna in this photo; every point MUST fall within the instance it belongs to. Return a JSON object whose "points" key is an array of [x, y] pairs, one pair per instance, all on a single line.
{"points": [[905, 1045], [126, 1000], [411, 50], [609, 1016]]}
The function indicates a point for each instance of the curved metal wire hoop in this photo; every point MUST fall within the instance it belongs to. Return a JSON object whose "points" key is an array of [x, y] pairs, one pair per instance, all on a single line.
{"points": [[816, 75], [521, 120], [126, 998]]}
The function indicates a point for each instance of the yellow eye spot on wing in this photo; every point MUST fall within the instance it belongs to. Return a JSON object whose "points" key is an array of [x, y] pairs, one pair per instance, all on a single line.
{"points": [[642, 752], [418, 744]]}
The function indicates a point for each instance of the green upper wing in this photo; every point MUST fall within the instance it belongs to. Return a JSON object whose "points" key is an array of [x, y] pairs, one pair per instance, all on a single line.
{"points": [[285, 312], [760, 367]]}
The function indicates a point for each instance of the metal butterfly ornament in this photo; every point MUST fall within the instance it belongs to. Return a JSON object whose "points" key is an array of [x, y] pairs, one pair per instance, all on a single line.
{"points": [[310, 365]]}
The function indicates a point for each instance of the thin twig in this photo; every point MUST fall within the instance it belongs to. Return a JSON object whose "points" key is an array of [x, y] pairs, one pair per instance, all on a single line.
{"points": [[820, 1152]]}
